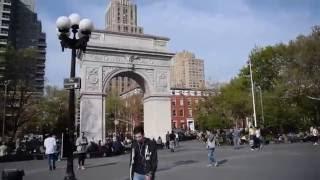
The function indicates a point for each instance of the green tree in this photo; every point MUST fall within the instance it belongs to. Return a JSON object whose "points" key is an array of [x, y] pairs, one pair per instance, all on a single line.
{"points": [[288, 75], [53, 112], [20, 70]]}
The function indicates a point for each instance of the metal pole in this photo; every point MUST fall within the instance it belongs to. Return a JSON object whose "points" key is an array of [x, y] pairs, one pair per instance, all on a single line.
{"points": [[131, 117], [4, 108], [70, 172], [253, 97], [115, 119], [261, 101]]}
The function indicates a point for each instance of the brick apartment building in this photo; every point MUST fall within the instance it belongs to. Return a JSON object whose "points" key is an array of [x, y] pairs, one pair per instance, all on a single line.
{"points": [[183, 105]]}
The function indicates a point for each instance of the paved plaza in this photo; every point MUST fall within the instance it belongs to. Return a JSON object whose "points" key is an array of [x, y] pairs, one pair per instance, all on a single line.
{"points": [[274, 162]]}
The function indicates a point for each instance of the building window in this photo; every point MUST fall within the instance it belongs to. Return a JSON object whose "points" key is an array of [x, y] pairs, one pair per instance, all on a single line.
{"points": [[181, 112], [173, 93], [174, 113], [189, 102], [196, 101], [183, 126], [125, 20], [173, 103], [181, 102], [190, 112], [174, 125]]}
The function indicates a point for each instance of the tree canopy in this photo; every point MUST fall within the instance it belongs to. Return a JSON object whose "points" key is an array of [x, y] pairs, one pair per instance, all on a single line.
{"points": [[288, 76]]}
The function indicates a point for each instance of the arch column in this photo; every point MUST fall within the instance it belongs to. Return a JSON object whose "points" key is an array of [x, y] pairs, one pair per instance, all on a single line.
{"points": [[92, 115], [92, 106], [157, 116]]}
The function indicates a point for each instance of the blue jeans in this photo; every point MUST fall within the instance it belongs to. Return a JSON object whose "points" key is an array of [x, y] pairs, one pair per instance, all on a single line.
{"points": [[52, 161], [211, 156], [236, 142], [137, 176]]}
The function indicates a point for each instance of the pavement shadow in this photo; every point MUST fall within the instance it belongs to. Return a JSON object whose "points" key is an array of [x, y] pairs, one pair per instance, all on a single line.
{"points": [[176, 164], [101, 165], [222, 161]]}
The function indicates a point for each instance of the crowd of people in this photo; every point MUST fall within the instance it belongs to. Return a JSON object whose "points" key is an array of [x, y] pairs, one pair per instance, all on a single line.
{"points": [[28, 148], [236, 136], [143, 158]]}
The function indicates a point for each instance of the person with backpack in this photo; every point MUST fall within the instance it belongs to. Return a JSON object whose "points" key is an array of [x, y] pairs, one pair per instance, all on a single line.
{"points": [[211, 145], [82, 144]]}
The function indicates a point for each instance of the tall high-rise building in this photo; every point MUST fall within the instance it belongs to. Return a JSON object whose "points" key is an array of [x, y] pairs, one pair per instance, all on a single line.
{"points": [[187, 71], [121, 16], [20, 28]]}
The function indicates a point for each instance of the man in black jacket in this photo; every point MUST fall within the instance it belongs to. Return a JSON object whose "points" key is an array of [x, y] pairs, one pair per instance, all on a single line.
{"points": [[144, 158]]}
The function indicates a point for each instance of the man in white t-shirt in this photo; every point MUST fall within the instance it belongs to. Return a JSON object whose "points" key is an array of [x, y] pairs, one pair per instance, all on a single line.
{"points": [[50, 146], [315, 134], [3, 149]]}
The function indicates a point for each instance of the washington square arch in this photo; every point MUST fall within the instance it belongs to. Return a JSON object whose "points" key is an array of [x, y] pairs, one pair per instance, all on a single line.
{"points": [[144, 58]]}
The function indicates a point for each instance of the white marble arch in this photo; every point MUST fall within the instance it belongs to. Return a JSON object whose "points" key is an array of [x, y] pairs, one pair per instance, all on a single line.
{"points": [[144, 58]]}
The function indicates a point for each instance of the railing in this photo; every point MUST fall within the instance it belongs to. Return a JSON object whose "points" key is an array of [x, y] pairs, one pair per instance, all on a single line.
{"points": [[7, 9], [5, 16], [4, 32]]}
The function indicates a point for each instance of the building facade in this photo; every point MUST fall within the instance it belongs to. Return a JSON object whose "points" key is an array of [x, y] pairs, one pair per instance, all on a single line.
{"points": [[121, 16], [21, 29], [183, 105], [187, 71], [122, 84], [133, 102]]}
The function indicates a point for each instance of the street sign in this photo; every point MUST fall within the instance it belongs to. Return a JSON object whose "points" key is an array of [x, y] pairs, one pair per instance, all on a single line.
{"points": [[72, 83]]}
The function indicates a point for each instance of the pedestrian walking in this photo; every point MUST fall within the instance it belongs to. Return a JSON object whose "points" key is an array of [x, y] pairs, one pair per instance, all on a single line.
{"points": [[252, 137], [315, 134], [211, 145], [236, 138], [167, 140], [172, 139], [50, 145], [82, 144], [177, 139], [144, 158], [3, 149], [58, 150], [258, 138]]}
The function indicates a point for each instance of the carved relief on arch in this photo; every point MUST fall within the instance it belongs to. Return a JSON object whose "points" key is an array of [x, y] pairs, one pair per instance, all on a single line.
{"points": [[106, 70], [149, 76], [162, 80], [92, 78]]}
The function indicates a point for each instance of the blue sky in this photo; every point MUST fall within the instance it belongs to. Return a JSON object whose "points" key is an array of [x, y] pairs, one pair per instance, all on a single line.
{"points": [[222, 32]]}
